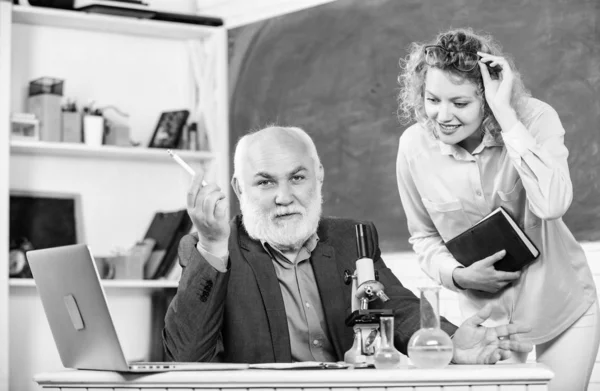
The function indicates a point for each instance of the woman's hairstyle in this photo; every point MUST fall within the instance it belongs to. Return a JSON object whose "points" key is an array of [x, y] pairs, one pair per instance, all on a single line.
{"points": [[454, 44]]}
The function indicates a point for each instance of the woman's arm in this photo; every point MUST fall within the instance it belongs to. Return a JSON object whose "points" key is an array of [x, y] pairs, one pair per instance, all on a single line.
{"points": [[434, 258], [540, 157]]}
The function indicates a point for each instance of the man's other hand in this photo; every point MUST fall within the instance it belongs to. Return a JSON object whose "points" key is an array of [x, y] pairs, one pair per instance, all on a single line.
{"points": [[476, 344]]}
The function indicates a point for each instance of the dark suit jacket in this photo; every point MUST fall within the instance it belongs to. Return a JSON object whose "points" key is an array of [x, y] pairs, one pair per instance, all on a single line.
{"points": [[239, 316]]}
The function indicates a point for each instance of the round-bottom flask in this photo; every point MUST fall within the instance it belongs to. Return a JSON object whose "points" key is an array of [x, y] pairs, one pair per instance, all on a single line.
{"points": [[430, 346], [386, 357], [354, 355]]}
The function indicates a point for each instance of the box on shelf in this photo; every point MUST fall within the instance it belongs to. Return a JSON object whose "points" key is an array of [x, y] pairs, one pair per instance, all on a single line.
{"points": [[46, 108], [45, 95], [116, 130], [72, 127], [24, 126]]}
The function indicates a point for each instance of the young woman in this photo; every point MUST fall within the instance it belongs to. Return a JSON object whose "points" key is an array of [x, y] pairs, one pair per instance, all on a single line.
{"points": [[480, 141]]}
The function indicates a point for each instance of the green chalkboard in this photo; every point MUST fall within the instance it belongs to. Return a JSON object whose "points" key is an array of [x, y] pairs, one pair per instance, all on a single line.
{"points": [[332, 70]]}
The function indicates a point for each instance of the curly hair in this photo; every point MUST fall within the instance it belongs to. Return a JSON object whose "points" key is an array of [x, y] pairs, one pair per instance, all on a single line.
{"points": [[414, 69]]}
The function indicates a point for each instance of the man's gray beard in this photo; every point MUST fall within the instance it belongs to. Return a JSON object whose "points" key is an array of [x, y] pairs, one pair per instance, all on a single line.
{"points": [[284, 235]]}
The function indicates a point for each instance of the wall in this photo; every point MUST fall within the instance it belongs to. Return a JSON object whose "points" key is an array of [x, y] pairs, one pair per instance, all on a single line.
{"points": [[118, 198], [142, 76], [332, 70]]}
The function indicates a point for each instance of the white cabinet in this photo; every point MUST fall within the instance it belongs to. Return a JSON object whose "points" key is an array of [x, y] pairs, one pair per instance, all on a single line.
{"points": [[143, 67]]}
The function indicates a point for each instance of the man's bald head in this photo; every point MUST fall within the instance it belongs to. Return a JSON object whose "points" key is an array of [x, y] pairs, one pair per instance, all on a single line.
{"points": [[274, 139]]}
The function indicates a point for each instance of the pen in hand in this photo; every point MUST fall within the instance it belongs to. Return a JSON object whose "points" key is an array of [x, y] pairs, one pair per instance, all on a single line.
{"points": [[183, 164]]}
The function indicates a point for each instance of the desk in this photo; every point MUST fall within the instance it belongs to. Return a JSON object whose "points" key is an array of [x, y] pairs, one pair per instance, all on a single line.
{"points": [[504, 377]]}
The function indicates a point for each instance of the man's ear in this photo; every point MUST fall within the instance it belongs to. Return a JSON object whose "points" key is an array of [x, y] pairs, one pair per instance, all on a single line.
{"points": [[235, 184], [320, 173]]}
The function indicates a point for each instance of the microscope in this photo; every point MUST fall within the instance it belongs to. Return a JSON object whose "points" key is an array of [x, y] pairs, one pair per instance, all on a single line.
{"points": [[364, 321]]}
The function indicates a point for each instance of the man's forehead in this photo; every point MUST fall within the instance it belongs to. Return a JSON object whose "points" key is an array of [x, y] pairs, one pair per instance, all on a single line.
{"points": [[276, 162], [275, 152]]}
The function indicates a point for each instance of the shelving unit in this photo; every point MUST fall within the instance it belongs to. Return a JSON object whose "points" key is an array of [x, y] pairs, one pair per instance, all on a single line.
{"points": [[40, 16], [144, 66], [5, 73], [41, 148]]}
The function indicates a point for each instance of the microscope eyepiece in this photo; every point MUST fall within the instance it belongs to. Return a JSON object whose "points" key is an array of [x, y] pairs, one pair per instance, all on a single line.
{"points": [[361, 241]]}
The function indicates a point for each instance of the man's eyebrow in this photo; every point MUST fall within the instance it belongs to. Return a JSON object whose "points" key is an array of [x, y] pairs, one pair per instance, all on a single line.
{"points": [[263, 175], [297, 170]]}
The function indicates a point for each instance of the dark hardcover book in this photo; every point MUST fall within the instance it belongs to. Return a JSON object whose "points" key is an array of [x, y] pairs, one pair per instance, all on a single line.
{"points": [[167, 229], [497, 231]]}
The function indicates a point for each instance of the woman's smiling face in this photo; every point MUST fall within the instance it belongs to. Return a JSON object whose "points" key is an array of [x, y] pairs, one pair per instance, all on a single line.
{"points": [[455, 108]]}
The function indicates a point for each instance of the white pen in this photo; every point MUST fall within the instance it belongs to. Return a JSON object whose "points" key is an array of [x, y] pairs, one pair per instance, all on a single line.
{"points": [[183, 164]]}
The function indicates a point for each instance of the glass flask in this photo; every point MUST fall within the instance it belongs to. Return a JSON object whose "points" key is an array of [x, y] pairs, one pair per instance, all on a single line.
{"points": [[430, 346], [386, 357], [354, 355]]}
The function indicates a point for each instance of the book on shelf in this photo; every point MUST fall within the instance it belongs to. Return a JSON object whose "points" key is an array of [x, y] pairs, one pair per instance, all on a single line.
{"points": [[166, 228], [495, 232]]}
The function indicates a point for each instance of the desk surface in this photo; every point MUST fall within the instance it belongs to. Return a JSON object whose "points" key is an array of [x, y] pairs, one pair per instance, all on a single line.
{"points": [[513, 376]]}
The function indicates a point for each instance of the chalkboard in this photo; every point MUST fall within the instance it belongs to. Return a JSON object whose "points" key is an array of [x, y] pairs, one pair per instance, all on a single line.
{"points": [[45, 219], [332, 70]]}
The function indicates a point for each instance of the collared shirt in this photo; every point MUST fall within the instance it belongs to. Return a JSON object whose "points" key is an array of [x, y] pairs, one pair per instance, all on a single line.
{"points": [[309, 336], [444, 190]]}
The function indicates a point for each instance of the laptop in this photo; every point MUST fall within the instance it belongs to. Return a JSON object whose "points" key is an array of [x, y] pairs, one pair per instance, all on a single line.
{"points": [[74, 302]]}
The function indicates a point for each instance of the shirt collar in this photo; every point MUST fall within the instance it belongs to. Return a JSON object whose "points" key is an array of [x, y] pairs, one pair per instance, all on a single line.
{"points": [[309, 246], [460, 154]]}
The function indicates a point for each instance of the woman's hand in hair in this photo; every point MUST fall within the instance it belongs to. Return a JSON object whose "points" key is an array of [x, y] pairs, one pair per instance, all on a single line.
{"points": [[498, 91]]}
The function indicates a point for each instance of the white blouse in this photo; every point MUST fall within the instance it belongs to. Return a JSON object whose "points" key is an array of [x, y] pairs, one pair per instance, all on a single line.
{"points": [[444, 190]]}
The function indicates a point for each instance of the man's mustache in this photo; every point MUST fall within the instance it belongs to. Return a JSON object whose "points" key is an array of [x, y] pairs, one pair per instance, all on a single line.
{"points": [[282, 211]]}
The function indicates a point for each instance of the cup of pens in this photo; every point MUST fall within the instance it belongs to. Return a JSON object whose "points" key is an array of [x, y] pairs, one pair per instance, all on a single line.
{"points": [[93, 126]]}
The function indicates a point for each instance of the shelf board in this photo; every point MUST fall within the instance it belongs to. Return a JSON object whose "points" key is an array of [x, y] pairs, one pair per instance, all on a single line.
{"points": [[42, 148], [78, 20], [135, 284]]}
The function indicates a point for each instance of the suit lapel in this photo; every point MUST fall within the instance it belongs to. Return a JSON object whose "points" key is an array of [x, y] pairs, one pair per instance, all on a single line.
{"points": [[266, 278], [329, 282]]}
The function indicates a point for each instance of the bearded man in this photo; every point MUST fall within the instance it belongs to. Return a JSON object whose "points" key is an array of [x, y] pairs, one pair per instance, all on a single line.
{"points": [[269, 285]]}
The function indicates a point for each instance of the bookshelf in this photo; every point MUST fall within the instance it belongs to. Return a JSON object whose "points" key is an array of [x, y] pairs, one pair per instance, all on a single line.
{"points": [[142, 67], [41, 148], [40, 16]]}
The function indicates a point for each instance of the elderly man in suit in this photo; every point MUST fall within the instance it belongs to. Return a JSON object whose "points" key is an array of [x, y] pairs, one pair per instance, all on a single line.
{"points": [[269, 285]]}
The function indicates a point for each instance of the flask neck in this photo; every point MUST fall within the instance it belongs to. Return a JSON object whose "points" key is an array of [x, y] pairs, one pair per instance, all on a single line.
{"points": [[386, 325], [430, 316]]}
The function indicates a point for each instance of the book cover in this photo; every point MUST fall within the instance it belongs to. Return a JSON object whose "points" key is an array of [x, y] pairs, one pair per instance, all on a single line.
{"points": [[497, 231], [166, 228]]}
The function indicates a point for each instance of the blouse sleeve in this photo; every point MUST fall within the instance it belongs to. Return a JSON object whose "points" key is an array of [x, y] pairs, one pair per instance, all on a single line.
{"points": [[539, 155]]}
